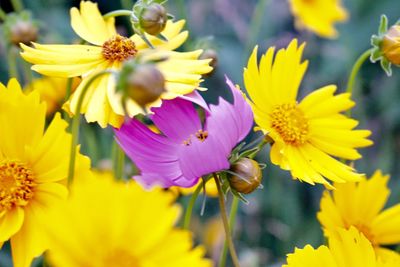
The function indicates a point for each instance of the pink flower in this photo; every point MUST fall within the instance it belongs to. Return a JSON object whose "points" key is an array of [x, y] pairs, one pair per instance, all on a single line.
{"points": [[186, 149]]}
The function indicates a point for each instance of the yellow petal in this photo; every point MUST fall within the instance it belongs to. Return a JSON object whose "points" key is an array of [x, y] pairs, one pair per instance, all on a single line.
{"points": [[10, 223], [90, 25]]}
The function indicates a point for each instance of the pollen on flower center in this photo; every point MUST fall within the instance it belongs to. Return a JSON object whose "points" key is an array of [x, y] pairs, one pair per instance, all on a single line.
{"points": [[289, 121], [119, 48], [120, 257], [200, 135], [16, 184]]}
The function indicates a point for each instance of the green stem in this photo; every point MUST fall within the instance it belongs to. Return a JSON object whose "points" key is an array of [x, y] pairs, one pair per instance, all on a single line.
{"points": [[119, 162], [3, 15], [232, 222], [117, 13], [189, 209], [75, 124], [354, 71], [17, 5], [353, 74], [12, 63], [28, 73], [228, 237], [255, 24], [68, 91]]}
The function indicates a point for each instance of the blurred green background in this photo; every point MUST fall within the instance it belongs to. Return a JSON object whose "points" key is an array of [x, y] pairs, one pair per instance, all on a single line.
{"points": [[283, 214]]}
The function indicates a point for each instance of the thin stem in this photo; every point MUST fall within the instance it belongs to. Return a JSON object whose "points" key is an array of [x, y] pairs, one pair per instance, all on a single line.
{"points": [[68, 91], [17, 5], [12, 63], [28, 73], [3, 15], [189, 209], [75, 124], [354, 71], [117, 13], [228, 237], [353, 74], [119, 162], [232, 222], [255, 24]]}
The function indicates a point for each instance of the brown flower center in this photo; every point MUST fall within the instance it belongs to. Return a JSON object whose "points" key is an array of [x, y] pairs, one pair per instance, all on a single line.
{"points": [[119, 48], [291, 124], [16, 184]]}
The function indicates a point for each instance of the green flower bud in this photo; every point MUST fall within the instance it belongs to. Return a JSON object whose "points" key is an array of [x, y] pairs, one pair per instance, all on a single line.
{"points": [[153, 19], [248, 176]]}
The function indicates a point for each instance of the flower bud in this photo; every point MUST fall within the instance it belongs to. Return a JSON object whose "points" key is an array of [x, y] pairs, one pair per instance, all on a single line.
{"points": [[23, 32], [210, 54], [248, 176], [390, 45], [153, 19], [145, 84]]}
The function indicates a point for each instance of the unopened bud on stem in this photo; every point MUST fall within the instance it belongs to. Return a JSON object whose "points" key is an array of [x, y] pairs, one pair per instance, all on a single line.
{"points": [[390, 45], [248, 176], [145, 84], [153, 19]]}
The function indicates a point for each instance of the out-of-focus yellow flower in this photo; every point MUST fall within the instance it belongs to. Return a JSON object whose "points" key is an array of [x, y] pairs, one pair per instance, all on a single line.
{"points": [[182, 70], [33, 170], [52, 90], [360, 205], [211, 189], [349, 248], [107, 223], [319, 16], [308, 134]]}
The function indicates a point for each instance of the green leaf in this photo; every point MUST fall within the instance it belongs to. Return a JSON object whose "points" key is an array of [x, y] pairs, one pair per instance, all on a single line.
{"points": [[375, 55], [240, 196], [383, 26], [386, 66], [376, 40]]}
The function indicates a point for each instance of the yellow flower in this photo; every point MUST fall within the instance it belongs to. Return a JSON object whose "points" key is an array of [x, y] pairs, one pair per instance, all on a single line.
{"points": [[33, 170], [211, 189], [52, 90], [107, 223], [319, 16], [349, 249], [182, 70], [307, 134], [360, 205]]}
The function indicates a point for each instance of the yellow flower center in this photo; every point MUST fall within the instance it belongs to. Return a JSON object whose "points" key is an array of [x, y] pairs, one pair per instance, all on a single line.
{"points": [[16, 184], [291, 124], [308, 2], [366, 232], [120, 258], [119, 48], [200, 134]]}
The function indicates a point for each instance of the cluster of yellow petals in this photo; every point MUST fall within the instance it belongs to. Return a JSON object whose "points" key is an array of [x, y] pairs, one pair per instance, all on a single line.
{"points": [[33, 170], [349, 248], [309, 134], [318, 16], [108, 50], [108, 223], [360, 205]]}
